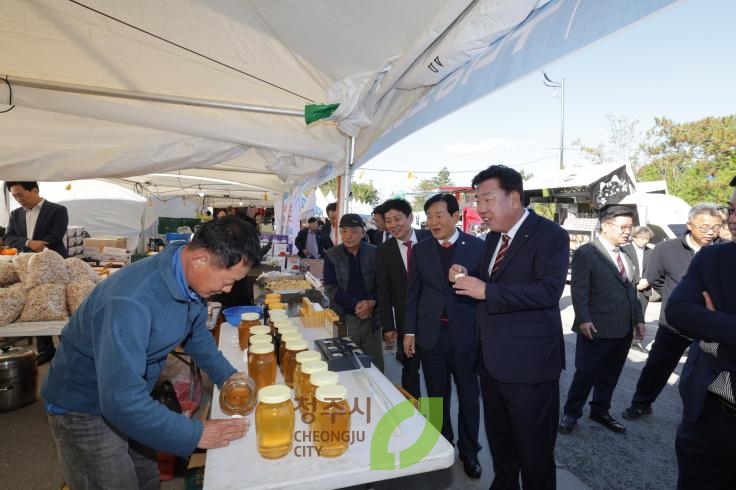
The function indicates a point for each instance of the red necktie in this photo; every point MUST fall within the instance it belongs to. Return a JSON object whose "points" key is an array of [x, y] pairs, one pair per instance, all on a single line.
{"points": [[621, 268], [501, 252], [447, 244], [407, 244]]}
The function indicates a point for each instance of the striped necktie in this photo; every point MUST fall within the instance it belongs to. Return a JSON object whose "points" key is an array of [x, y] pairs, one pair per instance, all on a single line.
{"points": [[620, 266], [501, 253]]}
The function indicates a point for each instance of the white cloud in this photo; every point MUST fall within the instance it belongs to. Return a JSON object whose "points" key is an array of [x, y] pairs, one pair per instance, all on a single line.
{"points": [[485, 145]]}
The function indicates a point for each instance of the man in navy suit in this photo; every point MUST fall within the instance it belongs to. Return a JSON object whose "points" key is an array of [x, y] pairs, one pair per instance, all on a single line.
{"points": [[703, 306], [36, 225], [442, 323], [392, 260], [518, 284]]}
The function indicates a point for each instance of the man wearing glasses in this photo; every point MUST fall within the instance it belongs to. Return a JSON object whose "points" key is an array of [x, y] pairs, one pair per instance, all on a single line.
{"points": [[607, 312], [667, 265]]}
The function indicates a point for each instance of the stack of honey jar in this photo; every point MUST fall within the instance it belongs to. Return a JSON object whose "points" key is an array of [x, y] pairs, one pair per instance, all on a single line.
{"points": [[319, 397]]}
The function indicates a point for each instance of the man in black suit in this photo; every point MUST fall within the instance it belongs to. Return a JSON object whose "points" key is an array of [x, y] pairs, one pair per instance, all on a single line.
{"points": [[328, 235], [442, 323], [703, 306], [309, 241], [518, 284], [606, 314], [380, 234], [639, 251], [392, 266], [36, 225], [668, 263]]}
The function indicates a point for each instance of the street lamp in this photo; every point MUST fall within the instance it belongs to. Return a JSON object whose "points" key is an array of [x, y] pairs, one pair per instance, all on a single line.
{"points": [[548, 82]]}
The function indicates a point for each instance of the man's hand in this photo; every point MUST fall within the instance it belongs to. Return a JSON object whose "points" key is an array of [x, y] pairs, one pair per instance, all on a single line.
{"points": [[456, 269], [470, 286], [409, 345], [640, 330], [219, 432], [364, 308], [709, 301], [37, 245], [642, 284], [389, 336], [587, 329]]}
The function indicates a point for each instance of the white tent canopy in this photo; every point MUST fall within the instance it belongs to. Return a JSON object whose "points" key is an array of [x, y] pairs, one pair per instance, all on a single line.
{"points": [[212, 91]]}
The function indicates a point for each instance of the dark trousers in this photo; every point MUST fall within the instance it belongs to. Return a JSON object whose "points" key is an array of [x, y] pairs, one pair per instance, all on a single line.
{"points": [[410, 368], [663, 358], [706, 449], [521, 424], [598, 365], [439, 363], [45, 344]]}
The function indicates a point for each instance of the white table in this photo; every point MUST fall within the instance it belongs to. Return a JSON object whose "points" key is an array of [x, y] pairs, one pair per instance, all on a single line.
{"points": [[32, 329], [239, 466]]}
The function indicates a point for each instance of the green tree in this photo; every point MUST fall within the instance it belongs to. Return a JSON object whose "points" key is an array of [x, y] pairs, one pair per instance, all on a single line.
{"points": [[428, 187], [697, 159], [362, 191], [623, 145]]}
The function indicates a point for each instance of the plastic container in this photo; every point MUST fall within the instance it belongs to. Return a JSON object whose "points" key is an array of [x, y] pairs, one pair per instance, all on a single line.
{"points": [[308, 403], [283, 339], [232, 314], [238, 395], [260, 330], [302, 373], [293, 347], [302, 357], [262, 365], [274, 422], [247, 320], [333, 418]]}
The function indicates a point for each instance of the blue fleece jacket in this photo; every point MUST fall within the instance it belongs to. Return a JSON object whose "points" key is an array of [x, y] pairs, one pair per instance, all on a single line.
{"points": [[115, 345]]}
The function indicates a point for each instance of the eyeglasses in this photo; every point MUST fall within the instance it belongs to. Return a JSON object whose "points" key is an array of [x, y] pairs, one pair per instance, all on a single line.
{"points": [[707, 229], [620, 228]]}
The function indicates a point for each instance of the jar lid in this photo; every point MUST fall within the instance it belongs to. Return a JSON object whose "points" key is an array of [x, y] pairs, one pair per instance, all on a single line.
{"points": [[259, 330], [285, 337], [307, 356], [297, 344], [276, 306], [278, 314], [260, 339], [324, 378], [274, 394], [282, 322], [312, 367], [249, 316], [284, 329], [261, 348], [329, 393]]}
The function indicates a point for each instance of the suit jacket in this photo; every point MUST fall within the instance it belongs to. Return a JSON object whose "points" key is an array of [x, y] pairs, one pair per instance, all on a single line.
{"points": [[519, 322], [391, 282], [640, 269], [600, 295], [429, 292], [301, 242], [712, 270], [51, 226]]}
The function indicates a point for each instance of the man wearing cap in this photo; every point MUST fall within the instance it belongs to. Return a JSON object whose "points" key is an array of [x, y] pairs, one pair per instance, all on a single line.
{"points": [[607, 312], [350, 283]]}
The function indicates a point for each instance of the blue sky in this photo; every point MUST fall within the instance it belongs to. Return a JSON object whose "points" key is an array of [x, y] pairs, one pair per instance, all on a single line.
{"points": [[677, 63]]}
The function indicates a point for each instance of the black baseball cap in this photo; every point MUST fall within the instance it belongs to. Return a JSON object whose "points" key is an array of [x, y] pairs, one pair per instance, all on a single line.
{"points": [[351, 220]]}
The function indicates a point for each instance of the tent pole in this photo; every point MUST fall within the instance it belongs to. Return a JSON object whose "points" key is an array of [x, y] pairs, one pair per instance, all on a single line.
{"points": [[168, 99], [345, 183]]}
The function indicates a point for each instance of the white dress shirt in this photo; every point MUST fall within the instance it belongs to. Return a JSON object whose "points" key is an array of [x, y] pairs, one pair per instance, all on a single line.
{"points": [[31, 219]]}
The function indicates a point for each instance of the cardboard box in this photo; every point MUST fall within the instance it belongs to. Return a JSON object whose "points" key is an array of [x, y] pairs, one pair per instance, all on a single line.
{"points": [[93, 246]]}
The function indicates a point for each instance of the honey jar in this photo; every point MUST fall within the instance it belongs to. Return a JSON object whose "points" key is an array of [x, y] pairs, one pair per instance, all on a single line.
{"points": [[238, 395], [247, 320], [274, 422], [306, 370], [262, 364], [293, 347], [302, 357], [283, 339], [260, 330], [308, 402], [333, 418]]}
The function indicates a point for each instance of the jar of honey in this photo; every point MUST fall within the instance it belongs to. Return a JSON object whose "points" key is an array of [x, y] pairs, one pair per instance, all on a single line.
{"points": [[262, 364], [247, 320], [302, 357], [238, 395], [293, 347], [308, 402], [260, 330], [259, 339], [283, 339], [333, 418], [274, 422], [305, 371]]}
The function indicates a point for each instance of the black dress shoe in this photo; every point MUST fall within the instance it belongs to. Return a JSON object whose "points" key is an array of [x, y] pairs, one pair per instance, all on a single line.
{"points": [[608, 422], [471, 466], [635, 412], [44, 357], [567, 424]]}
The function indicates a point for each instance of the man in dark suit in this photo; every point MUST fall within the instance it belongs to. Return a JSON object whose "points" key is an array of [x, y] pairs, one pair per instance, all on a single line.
{"points": [[606, 314], [518, 284], [309, 241], [703, 306], [380, 234], [639, 251], [442, 323], [330, 227], [392, 261], [36, 225]]}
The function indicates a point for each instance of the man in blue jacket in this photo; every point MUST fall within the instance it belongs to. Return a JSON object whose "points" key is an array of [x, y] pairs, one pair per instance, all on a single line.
{"points": [[106, 425]]}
